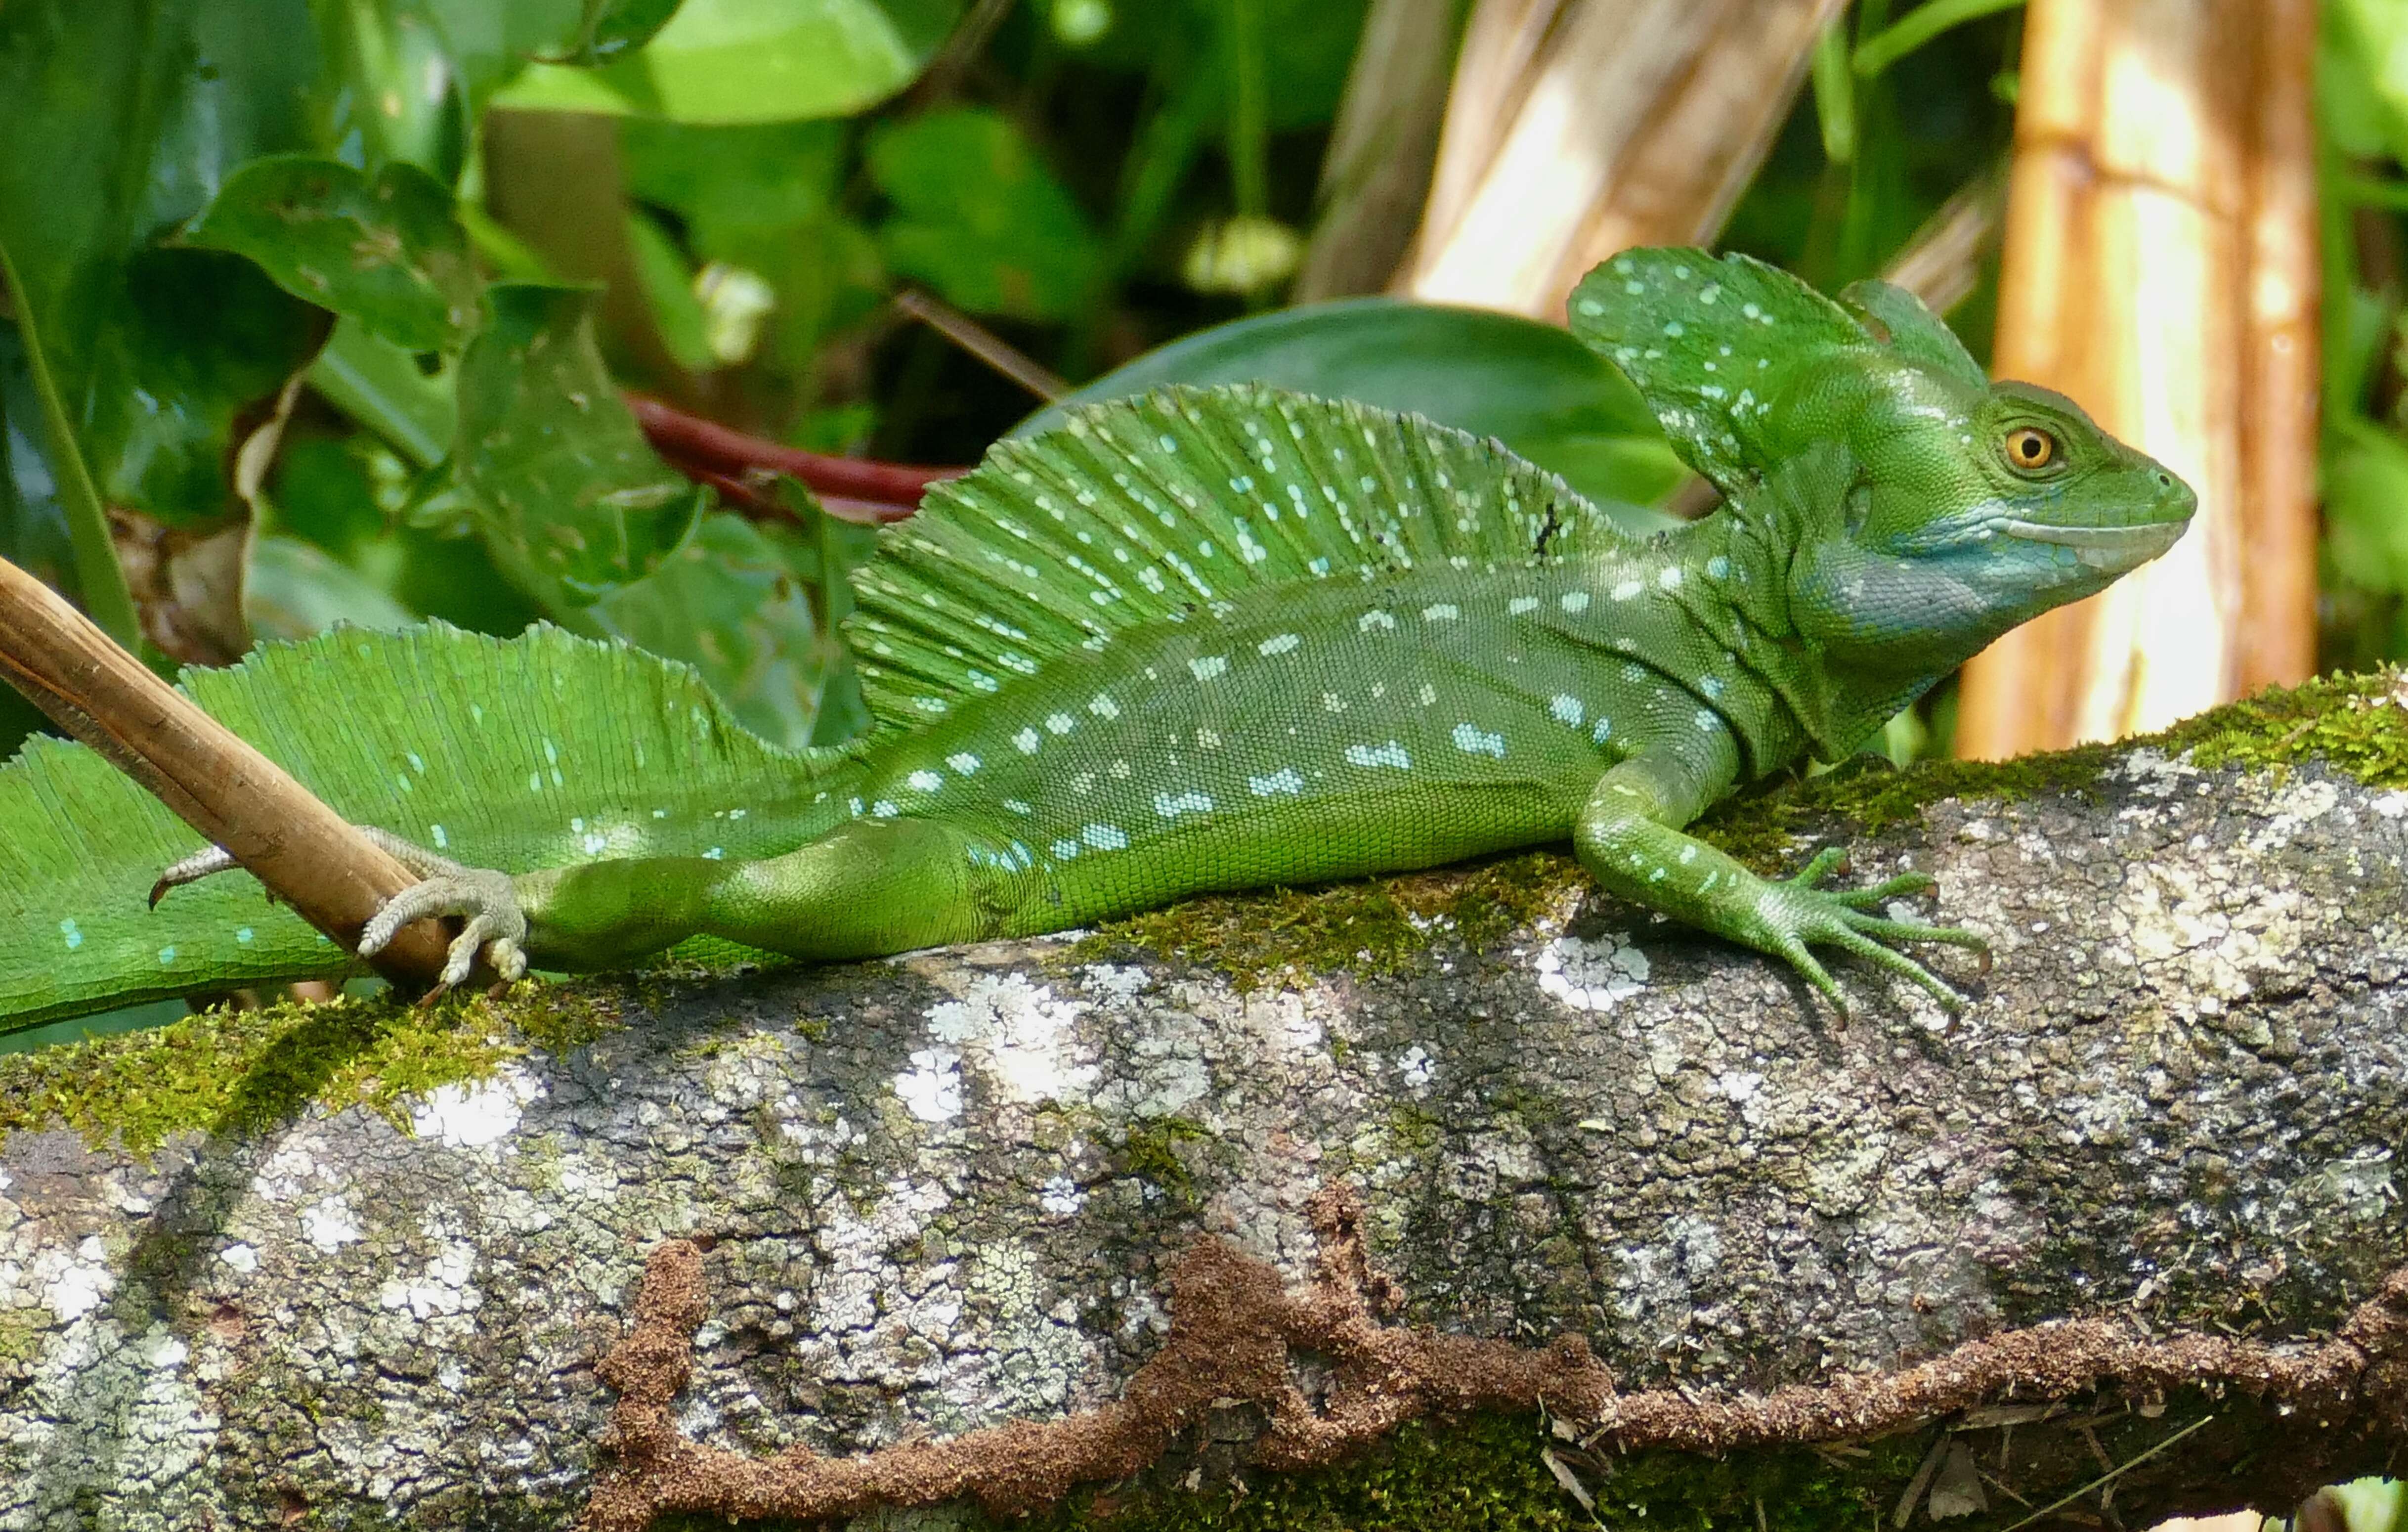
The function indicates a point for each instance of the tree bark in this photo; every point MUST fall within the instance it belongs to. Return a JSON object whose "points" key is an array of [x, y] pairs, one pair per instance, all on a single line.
{"points": [[1182, 1233]]}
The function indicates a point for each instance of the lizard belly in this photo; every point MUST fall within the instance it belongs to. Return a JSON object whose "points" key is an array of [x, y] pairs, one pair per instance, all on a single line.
{"points": [[1356, 731]]}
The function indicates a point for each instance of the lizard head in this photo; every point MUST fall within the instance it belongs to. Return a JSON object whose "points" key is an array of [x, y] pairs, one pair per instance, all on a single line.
{"points": [[1929, 510], [1973, 510]]}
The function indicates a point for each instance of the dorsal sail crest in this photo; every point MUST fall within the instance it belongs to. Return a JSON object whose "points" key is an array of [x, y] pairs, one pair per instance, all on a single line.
{"points": [[1153, 508]]}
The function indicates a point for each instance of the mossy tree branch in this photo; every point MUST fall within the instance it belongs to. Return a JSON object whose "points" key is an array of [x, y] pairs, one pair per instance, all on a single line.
{"points": [[367, 1262]]}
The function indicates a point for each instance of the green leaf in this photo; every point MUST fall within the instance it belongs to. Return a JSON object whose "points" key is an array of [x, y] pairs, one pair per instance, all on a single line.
{"points": [[2366, 506], [1530, 385], [979, 218], [571, 500], [380, 386], [616, 27], [296, 590], [124, 116], [730, 603], [402, 102], [1917, 27], [726, 181], [753, 61], [667, 282], [2362, 77], [386, 251]]}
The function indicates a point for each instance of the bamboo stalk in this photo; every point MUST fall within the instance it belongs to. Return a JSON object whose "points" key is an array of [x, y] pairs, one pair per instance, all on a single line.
{"points": [[1377, 170], [1581, 127], [304, 851], [2159, 267]]}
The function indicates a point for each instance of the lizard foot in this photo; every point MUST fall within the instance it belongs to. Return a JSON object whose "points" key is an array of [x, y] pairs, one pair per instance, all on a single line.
{"points": [[1797, 914], [495, 927]]}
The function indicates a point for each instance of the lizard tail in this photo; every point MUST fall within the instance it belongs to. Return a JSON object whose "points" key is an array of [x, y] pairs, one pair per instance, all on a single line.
{"points": [[540, 751]]}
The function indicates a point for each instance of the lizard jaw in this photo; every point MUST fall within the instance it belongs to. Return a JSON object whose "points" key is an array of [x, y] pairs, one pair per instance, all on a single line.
{"points": [[2117, 547]]}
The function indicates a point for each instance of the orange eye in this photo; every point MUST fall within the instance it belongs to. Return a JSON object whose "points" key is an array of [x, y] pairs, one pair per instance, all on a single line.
{"points": [[2029, 447]]}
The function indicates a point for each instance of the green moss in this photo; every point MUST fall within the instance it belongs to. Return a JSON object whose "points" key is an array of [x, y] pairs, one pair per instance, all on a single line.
{"points": [[1150, 1150], [1380, 925], [225, 1071], [2358, 724], [1485, 1474]]}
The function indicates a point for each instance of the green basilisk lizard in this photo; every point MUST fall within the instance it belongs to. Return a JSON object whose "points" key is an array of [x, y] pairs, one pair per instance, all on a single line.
{"points": [[1195, 640]]}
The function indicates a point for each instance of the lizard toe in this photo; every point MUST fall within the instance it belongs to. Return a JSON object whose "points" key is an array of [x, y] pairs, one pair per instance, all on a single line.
{"points": [[204, 863]]}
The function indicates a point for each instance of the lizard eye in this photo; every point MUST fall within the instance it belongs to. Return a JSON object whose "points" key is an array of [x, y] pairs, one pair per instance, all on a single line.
{"points": [[2030, 449]]}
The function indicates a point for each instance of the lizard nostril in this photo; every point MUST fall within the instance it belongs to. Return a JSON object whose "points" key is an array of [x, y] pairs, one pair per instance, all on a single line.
{"points": [[2165, 480]]}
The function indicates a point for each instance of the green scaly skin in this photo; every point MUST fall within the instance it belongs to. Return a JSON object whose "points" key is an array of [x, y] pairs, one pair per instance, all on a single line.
{"points": [[1882, 523]]}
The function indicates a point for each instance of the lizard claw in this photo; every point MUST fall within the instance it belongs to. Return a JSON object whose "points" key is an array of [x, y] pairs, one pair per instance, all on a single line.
{"points": [[1800, 913], [496, 927], [191, 869]]}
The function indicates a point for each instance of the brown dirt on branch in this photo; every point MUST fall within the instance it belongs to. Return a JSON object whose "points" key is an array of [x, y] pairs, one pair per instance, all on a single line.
{"points": [[1234, 1330]]}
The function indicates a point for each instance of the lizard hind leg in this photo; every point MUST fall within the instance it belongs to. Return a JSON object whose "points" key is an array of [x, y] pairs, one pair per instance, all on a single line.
{"points": [[496, 928]]}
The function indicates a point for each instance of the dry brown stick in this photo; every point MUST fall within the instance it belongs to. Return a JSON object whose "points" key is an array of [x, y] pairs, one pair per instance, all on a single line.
{"points": [[216, 782]]}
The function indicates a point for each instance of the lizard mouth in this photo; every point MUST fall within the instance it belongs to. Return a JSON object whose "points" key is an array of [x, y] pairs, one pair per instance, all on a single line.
{"points": [[2102, 547]]}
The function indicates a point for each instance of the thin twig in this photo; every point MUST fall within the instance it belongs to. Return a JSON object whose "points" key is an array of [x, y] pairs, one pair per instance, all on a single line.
{"points": [[983, 343], [2109, 1477]]}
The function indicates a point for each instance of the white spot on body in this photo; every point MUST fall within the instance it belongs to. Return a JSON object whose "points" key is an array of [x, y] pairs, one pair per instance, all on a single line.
{"points": [[1278, 644], [1627, 589], [1209, 665], [924, 781], [1574, 601], [75, 937], [1170, 805], [1470, 739], [1390, 754], [1027, 741], [964, 762], [1105, 837], [1375, 619], [1443, 612], [1567, 708], [1282, 781], [1669, 576]]}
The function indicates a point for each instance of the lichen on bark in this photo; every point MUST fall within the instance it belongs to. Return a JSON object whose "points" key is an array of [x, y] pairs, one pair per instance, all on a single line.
{"points": [[361, 1264]]}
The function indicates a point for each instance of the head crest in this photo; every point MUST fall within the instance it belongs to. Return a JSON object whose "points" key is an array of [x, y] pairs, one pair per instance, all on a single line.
{"points": [[1710, 342]]}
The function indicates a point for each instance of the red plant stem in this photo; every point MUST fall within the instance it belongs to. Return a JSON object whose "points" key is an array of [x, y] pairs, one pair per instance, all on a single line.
{"points": [[690, 440], [747, 498]]}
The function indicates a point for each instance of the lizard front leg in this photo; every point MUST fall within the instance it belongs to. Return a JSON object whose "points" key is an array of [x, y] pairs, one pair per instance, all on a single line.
{"points": [[1629, 840]]}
